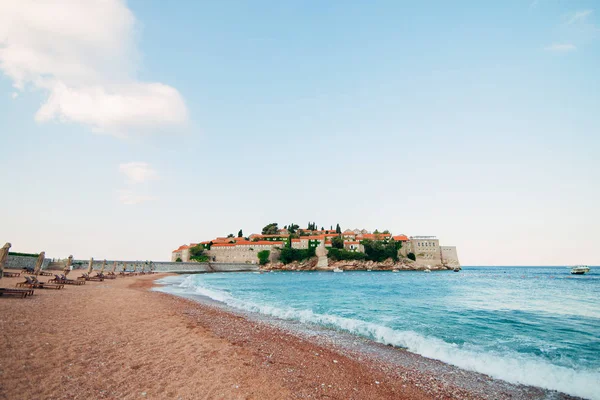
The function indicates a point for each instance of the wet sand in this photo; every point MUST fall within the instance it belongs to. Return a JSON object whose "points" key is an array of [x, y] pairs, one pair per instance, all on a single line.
{"points": [[118, 340]]}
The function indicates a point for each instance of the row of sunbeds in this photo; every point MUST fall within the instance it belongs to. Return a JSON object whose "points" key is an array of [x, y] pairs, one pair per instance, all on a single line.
{"points": [[58, 282]]}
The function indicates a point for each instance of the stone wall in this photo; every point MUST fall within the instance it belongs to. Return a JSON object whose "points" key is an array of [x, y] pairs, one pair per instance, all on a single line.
{"points": [[450, 256], [239, 254], [20, 262], [182, 267]]}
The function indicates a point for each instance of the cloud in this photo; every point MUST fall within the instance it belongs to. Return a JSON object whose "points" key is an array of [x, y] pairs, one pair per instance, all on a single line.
{"points": [[138, 172], [578, 16], [14, 95], [82, 55], [130, 198], [561, 47]]}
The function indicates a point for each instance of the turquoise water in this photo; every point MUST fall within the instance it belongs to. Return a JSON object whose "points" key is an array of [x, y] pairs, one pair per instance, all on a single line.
{"points": [[536, 326]]}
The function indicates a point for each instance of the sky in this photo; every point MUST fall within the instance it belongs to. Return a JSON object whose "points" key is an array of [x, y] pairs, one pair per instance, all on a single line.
{"points": [[130, 128]]}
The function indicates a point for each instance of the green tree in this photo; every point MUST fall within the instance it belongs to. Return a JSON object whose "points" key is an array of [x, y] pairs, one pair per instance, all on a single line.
{"points": [[412, 256], [293, 228], [230, 235], [240, 233], [338, 229], [270, 229], [263, 257], [178, 259], [376, 232], [341, 254], [386, 232], [379, 251], [197, 253], [289, 255], [337, 242]]}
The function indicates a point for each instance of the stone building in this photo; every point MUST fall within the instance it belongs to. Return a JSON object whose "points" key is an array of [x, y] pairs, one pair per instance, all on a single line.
{"points": [[183, 253], [426, 248]]}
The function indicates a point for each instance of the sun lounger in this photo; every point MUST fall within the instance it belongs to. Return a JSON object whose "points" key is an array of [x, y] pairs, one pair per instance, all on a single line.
{"points": [[32, 283], [16, 292], [86, 277], [99, 275], [11, 274], [64, 281]]}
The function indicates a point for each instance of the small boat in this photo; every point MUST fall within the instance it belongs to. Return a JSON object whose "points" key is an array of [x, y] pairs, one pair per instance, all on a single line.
{"points": [[394, 270], [369, 270], [427, 270], [338, 270], [457, 269], [580, 269]]}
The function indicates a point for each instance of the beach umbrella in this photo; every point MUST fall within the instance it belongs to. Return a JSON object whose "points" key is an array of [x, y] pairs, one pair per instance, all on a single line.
{"points": [[124, 266], [3, 257], [90, 266], [69, 265], [38, 263], [114, 267], [103, 265]]}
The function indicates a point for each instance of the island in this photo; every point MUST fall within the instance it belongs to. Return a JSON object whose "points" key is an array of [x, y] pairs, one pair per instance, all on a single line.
{"points": [[295, 249]]}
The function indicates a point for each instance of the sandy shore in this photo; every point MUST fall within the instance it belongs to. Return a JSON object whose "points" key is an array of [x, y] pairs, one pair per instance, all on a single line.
{"points": [[118, 340]]}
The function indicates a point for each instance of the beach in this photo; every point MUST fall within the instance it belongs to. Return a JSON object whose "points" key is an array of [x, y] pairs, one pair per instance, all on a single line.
{"points": [[117, 339]]}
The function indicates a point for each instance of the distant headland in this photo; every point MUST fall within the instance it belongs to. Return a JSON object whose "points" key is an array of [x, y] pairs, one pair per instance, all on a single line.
{"points": [[294, 248]]}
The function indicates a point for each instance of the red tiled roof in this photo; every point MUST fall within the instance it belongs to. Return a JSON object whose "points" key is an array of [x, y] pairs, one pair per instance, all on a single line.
{"points": [[400, 238], [182, 247], [352, 242]]}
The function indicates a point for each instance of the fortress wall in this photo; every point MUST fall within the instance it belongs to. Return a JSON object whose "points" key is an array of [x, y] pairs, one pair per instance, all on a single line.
{"points": [[449, 255]]}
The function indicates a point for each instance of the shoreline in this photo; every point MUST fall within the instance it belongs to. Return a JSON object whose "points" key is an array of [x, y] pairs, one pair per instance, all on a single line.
{"points": [[119, 339], [443, 379]]}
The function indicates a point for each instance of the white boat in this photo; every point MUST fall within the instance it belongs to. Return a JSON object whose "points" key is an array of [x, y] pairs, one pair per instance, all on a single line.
{"points": [[338, 270], [427, 270], [394, 270], [457, 269], [580, 269]]}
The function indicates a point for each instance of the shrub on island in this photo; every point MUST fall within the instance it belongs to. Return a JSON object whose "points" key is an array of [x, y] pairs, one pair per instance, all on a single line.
{"points": [[343, 255], [289, 255], [412, 256], [263, 257]]}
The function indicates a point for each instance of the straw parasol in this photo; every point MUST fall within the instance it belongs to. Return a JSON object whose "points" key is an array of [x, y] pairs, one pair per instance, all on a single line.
{"points": [[3, 257], [69, 266], [90, 265], [114, 267], [103, 265], [38, 263]]}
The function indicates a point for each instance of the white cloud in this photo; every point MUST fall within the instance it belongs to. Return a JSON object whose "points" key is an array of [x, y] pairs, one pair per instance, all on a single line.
{"points": [[561, 47], [14, 95], [82, 54], [128, 197], [578, 16], [138, 172]]}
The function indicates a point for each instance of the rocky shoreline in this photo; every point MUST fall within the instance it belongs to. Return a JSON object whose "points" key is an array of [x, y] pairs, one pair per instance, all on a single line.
{"points": [[355, 265]]}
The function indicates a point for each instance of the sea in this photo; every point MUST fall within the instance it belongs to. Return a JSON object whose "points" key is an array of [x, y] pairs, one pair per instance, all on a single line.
{"points": [[536, 326]]}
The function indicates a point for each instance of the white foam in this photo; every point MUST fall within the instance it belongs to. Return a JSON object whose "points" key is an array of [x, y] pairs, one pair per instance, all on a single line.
{"points": [[511, 367]]}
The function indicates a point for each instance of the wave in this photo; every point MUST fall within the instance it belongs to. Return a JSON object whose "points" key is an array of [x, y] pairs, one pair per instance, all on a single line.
{"points": [[511, 366]]}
